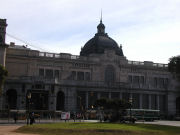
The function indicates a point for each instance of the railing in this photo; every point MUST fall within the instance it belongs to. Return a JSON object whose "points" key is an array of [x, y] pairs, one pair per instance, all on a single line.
{"points": [[93, 83], [83, 83], [32, 79], [88, 83], [36, 53], [148, 63], [58, 55]]}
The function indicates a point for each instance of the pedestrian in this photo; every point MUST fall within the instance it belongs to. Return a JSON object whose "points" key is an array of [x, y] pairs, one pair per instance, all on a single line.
{"points": [[15, 117], [32, 119], [74, 116]]}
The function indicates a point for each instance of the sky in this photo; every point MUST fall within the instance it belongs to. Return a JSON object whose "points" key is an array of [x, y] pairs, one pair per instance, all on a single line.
{"points": [[149, 30]]}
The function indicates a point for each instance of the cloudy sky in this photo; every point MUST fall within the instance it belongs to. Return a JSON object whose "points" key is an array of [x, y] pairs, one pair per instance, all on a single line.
{"points": [[149, 30]]}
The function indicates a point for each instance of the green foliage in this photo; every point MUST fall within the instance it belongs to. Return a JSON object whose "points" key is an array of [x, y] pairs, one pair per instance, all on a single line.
{"points": [[112, 104], [3, 75], [99, 129], [174, 66], [114, 109]]}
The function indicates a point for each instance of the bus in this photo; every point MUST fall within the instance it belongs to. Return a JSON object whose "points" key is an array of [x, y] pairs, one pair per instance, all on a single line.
{"points": [[144, 114]]}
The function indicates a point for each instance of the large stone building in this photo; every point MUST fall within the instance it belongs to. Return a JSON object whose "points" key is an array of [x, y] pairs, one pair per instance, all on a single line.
{"points": [[65, 82]]}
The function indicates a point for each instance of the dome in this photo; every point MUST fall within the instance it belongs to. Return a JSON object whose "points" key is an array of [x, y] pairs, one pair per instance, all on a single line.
{"points": [[100, 42]]}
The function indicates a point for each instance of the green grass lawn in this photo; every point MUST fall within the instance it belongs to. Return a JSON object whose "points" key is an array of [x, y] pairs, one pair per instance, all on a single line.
{"points": [[99, 129]]}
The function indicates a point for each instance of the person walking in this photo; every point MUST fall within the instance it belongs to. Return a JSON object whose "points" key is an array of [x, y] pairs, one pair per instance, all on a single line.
{"points": [[32, 119]]}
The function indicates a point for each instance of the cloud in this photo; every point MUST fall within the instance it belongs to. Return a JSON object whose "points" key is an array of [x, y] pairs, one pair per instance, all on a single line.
{"points": [[142, 27]]}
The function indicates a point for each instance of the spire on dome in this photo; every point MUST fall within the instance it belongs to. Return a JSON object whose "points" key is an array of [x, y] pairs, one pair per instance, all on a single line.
{"points": [[101, 27], [101, 17]]}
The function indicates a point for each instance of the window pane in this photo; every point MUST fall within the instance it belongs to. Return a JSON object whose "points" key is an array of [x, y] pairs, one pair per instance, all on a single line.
{"points": [[80, 76], [56, 73], [49, 73], [41, 72], [87, 76]]}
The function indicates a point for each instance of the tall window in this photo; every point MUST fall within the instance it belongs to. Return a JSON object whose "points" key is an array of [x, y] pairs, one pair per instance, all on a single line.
{"points": [[49, 73], [145, 101], [155, 82], [56, 73], [73, 75], [136, 100], [161, 82], [130, 78], [80, 75], [142, 80], [87, 76], [41, 72], [109, 74], [153, 101], [136, 79]]}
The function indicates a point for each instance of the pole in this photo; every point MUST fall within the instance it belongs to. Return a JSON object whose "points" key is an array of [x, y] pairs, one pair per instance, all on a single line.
{"points": [[130, 101], [130, 112], [28, 113]]}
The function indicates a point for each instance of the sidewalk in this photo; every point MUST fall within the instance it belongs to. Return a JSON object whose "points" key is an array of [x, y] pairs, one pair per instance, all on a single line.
{"points": [[162, 122], [11, 121], [38, 121]]}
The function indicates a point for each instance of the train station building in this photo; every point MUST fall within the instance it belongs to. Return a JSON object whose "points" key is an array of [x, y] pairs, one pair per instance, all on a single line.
{"points": [[66, 82]]}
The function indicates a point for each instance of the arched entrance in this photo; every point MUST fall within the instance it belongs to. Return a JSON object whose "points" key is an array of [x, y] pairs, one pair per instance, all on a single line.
{"points": [[11, 96], [38, 101], [60, 101], [178, 106]]}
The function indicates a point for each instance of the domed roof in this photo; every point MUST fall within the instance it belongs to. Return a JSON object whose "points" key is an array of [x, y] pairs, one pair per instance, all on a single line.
{"points": [[100, 42]]}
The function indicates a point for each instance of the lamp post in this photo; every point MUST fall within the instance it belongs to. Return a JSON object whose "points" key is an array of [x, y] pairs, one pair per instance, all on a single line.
{"points": [[130, 101], [81, 107], [29, 98], [80, 103]]}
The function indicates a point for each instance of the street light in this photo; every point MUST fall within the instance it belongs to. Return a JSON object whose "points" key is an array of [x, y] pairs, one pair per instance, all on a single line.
{"points": [[81, 107], [130, 101], [80, 102], [29, 98]]}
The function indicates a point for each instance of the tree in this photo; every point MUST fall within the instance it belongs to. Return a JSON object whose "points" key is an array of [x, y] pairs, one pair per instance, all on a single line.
{"points": [[174, 66], [115, 107], [3, 75]]}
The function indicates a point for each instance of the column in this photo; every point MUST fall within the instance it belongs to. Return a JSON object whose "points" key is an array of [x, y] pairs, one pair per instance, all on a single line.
{"points": [[157, 99], [120, 95], [130, 96], [98, 95], [87, 100], [109, 95], [149, 101], [140, 101]]}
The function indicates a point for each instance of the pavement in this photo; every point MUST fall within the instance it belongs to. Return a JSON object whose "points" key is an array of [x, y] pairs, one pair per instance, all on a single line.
{"points": [[162, 122], [9, 130], [38, 121]]}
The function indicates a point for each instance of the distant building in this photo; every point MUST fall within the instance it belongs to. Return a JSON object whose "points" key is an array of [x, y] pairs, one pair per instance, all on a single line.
{"points": [[61, 81]]}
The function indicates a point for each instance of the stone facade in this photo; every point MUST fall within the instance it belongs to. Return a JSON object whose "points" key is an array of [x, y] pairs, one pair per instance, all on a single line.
{"points": [[67, 82]]}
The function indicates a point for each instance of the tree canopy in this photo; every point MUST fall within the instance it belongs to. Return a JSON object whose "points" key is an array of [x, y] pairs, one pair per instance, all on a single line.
{"points": [[115, 107], [113, 104], [174, 66], [3, 75]]}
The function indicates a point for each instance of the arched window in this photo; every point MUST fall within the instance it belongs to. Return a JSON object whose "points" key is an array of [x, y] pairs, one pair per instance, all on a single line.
{"points": [[11, 96], [60, 101], [109, 74]]}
